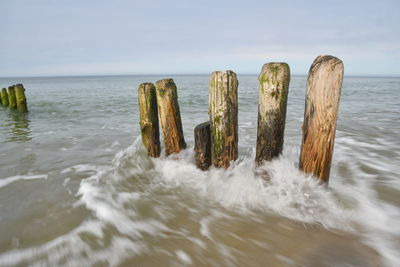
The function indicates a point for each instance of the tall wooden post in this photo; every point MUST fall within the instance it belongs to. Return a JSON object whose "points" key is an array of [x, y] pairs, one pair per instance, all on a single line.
{"points": [[11, 97], [170, 117], [324, 84], [21, 99], [274, 87], [202, 145], [223, 110], [4, 98], [149, 118]]}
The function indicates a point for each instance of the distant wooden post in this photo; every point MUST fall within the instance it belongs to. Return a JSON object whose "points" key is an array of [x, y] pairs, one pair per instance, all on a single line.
{"points": [[4, 98], [170, 117], [322, 102], [21, 99], [202, 145], [223, 110], [149, 119], [274, 87], [11, 97]]}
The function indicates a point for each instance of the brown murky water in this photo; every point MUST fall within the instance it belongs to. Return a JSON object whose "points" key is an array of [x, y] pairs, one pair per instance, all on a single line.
{"points": [[77, 189]]}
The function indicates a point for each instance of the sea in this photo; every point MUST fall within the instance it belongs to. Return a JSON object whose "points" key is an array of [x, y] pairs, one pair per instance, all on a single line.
{"points": [[77, 188]]}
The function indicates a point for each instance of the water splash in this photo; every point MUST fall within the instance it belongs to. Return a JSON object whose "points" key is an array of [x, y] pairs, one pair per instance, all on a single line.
{"points": [[135, 202]]}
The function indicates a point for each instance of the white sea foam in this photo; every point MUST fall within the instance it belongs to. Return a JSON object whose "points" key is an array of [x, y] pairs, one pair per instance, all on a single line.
{"points": [[83, 168], [184, 257], [287, 192], [9, 180], [72, 247]]}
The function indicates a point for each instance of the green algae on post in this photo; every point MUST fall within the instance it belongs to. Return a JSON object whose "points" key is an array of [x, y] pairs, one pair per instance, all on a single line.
{"points": [[324, 85], [11, 97], [149, 118], [170, 116], [274, 87], [223, 110], [20, 97], [4, 98]]}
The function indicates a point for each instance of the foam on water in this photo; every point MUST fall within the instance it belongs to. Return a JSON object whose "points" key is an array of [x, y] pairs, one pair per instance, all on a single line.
{"points": [[129, 200], [287, 192], [9, 180]]}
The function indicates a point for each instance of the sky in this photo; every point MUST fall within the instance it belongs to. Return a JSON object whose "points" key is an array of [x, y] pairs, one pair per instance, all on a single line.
{"points": [[88, 37]]}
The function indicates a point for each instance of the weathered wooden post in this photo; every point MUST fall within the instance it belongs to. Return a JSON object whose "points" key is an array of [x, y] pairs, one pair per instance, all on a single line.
{"points": [[4, 97], [149, 118], [223, 110], [202, 145], [21, 99], [324, 84], [170, 117], [274, 87], [11, 97]]}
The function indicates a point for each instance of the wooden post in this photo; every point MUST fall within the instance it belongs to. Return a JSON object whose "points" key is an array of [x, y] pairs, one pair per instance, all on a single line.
{"points": [[4, 97], [223, 110], [274, 87], [202, 145], [21, 99], [324, 84], [149, 119], [11, 97], [170, 117]]}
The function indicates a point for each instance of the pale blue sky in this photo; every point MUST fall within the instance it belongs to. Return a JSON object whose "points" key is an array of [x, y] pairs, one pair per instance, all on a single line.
{"points": [[78, 37]]}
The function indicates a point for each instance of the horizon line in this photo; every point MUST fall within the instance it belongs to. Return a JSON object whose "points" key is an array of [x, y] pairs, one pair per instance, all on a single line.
{"points": [[183, 74]]}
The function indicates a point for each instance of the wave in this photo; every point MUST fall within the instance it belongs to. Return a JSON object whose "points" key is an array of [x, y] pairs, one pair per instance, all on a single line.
{"points": [[134, 201]]}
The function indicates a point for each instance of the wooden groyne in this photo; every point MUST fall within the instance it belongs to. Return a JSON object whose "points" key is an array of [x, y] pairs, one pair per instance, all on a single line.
{"points": [[202, 145], [273, 94], [21, 99], [216, 141], [4, 97], [324, 85], [223, 110], [11, 97], [149, 128], [170, 116], [15, 98]]}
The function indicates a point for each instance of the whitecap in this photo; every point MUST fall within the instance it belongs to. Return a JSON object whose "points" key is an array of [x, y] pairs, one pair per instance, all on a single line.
{"points": [[9, 180]]}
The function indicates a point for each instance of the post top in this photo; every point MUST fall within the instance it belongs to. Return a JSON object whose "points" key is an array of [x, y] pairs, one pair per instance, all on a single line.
{"points": [[272, 71], [145, 84], [165, 82], [202, 125], [276, 64], [225, 72], [325, 59]]}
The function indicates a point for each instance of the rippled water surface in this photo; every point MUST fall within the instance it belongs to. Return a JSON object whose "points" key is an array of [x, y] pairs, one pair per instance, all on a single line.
{"points": [[76, 187]]}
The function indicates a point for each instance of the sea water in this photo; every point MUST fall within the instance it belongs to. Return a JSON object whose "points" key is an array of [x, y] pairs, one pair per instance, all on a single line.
{"points": [[77, 188]]}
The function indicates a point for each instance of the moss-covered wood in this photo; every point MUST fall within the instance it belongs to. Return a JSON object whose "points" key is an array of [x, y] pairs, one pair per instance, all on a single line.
{"points": [[4, 97], [324, 85], [149, 118], [20, 97], [223, 110], [202, 145], [11, 97], [273, 92], [170, 117]]}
